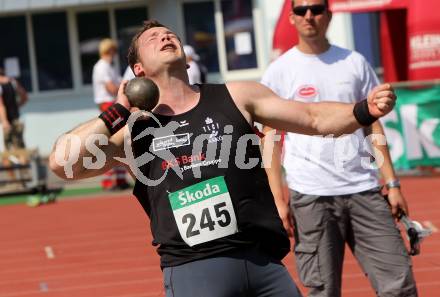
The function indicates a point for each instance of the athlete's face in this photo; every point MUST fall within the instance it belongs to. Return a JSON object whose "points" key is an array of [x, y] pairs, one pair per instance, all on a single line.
{"points": [[158, 47], [311, 18]]}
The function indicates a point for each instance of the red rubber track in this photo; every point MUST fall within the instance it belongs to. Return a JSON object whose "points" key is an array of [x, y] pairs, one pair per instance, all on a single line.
{"points": [[101, 247]]}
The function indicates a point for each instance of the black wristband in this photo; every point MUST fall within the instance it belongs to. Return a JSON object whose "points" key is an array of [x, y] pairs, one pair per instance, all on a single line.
{"points": [[115, 117], [362, 113]]}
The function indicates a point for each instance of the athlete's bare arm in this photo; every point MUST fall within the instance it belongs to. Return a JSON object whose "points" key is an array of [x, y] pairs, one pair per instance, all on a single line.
{"points": [[71, 148], [259, 103], [77, 142]]}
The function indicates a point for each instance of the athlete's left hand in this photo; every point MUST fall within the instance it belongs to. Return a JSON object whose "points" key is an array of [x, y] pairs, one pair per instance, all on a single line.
{"points": [[397, 202], [381, 100]]}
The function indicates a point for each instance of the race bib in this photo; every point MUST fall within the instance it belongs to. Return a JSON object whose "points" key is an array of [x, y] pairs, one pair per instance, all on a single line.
{"points": [[204, 211]]}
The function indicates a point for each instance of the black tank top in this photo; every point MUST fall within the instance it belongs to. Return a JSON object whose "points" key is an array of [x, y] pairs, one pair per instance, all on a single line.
{"points": [[210, 160], [10, 101]]}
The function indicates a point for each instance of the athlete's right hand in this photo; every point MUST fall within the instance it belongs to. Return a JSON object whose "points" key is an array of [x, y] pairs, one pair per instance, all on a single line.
{"points": [[121, 97]]}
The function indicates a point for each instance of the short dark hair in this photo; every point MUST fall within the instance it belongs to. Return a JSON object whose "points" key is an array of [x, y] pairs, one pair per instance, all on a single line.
{"points": [[133, 54], [325, 3]]}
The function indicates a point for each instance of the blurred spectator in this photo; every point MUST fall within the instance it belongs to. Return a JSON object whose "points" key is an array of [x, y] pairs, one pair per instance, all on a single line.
{"points": [[105, 78], [128, 74], [196, 71], [106, 82], [9, 111]]}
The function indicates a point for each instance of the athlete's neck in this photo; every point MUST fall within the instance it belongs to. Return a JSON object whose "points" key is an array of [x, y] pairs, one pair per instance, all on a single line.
{"points": [[176, 95]]}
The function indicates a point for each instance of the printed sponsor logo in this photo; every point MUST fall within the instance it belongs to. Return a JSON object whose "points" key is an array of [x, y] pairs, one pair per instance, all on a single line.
{"points": [[212, 128], [182, 160], [170, 141], [203, 163], [198, 192], [307, 92], [203, 193]]}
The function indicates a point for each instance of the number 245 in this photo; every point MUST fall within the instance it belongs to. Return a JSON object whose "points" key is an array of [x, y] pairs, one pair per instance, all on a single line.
{"points": [[206, 220]]}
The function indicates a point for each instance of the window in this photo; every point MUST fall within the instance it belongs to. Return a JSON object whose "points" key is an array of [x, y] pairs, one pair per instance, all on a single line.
{"points": [[200, 32], [239, 34], [14, 45], [92, 27], [52, 51], [128, 22]]}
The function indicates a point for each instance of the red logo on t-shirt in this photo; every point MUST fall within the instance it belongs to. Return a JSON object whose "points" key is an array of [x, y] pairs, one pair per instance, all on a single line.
{"points": [[307, 91]]}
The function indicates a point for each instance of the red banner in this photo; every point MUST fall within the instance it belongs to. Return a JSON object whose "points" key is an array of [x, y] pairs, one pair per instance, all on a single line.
{"points": [[365, 5], [394, 47], [285, 35], [424, 40], [410, 35]]}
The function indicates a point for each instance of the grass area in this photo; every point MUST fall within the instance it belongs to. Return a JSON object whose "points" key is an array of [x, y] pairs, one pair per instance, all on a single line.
{"points": [[17, 199]]}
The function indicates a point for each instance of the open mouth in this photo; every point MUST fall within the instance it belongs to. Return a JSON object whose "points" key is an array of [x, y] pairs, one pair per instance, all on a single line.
{"points": [[168, 46]]}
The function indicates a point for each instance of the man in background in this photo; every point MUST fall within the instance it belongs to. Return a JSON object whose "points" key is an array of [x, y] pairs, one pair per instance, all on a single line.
{"points": [[9, 111], [106, 82], [196, 73], [335, 195]]}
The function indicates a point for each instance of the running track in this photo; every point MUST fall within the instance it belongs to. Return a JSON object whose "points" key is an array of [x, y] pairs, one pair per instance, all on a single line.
{"points": [[101, 247]]}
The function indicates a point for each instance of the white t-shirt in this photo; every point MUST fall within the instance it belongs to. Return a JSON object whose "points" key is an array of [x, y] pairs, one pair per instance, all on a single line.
{"points": [[325, 165], [103, 72], [194, 73]]}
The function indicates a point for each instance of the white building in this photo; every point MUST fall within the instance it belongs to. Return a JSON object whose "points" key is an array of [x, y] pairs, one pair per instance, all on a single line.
{"points": [[55, 45]]}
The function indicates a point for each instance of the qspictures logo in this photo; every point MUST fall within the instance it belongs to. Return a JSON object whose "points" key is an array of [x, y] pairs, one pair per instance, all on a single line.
{"points": [[207, 150]]}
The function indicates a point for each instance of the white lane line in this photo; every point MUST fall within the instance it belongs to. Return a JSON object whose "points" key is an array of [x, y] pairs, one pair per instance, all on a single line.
{"points": [[136, 260], [44, 287], [81, 243], [430, 225], [49, 252], [126, 284], [61, 276]]}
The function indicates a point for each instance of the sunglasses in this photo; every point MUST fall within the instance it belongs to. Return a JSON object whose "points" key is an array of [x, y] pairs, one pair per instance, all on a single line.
{"points": [[316, 9]]}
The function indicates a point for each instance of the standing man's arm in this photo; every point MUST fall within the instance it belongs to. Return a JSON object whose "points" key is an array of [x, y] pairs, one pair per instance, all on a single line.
{"points": [[111, 87], [275, 175], [396, 199]]}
